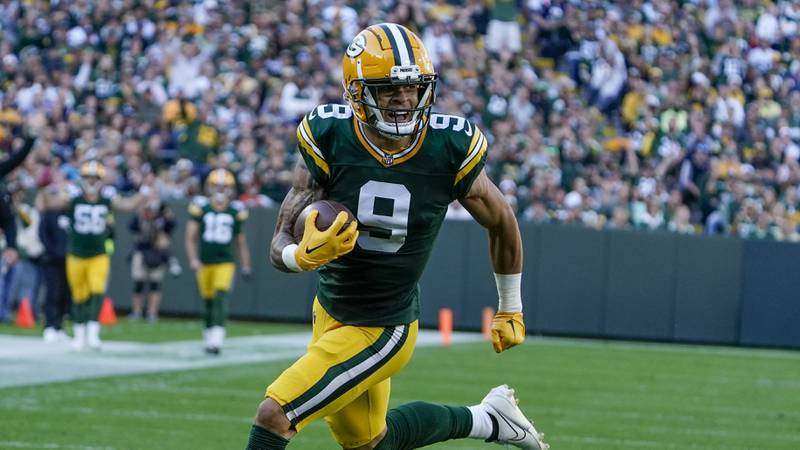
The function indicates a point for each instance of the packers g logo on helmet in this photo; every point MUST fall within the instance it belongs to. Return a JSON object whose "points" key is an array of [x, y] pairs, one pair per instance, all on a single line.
{"points": [[386, 55]]}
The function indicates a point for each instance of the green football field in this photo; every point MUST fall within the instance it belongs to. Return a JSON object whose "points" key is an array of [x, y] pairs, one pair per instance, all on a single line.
{"points": [[583, 394]]}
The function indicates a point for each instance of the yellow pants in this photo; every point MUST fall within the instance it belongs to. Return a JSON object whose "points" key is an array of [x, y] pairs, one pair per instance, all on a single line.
{"points": [[344, 377], [212, 278], [87, 276]]}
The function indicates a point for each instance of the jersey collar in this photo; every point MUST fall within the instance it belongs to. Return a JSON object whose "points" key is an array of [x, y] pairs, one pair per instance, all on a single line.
{"points": [[385, 158]]}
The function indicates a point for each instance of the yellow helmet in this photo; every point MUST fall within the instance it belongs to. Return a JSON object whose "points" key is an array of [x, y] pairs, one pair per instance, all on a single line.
{"points": [[93, 169], [221, 178], [388, 55], [220, 184]]}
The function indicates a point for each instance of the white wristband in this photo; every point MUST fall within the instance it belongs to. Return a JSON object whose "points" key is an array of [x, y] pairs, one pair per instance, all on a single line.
{"points": [[287, 255], [509, 293]]}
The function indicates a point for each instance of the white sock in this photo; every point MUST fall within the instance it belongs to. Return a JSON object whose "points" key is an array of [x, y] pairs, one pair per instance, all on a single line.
{"points": [[481, 423], [216, 336]]}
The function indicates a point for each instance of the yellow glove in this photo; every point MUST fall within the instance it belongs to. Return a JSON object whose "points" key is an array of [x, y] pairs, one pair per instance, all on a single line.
{"points": [[508, 330], [318, 248]]}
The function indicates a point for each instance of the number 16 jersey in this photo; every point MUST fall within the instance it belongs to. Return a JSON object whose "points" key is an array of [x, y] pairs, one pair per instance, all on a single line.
{"points": [[400, 201], [217, 228]]}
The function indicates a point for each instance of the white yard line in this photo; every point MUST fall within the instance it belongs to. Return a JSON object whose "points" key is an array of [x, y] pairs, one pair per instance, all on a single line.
{"points": [[26, 360]]}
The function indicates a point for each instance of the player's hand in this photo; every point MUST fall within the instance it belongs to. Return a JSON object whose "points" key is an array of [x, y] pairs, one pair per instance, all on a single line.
{"points": [[195, 264], [318, 248], [508, 330], [247, 273]]}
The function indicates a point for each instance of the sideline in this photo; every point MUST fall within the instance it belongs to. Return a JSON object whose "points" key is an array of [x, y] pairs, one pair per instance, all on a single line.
{"points": [[28, 360]]}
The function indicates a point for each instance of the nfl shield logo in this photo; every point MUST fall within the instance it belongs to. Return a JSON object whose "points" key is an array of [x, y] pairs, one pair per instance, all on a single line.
{"points": [[388, 159]]}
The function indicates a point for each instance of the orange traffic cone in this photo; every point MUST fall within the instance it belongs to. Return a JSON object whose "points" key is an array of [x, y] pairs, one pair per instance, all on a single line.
{"points": [[25, 315], [446, 325], [486, 322], [107, 314]]}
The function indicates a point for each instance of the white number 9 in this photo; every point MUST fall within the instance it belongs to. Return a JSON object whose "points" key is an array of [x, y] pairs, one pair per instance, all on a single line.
{"points": [[385, 206]]}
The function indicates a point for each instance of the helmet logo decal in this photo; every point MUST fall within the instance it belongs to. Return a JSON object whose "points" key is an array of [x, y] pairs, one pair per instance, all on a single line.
{"points": [[357, 46]]}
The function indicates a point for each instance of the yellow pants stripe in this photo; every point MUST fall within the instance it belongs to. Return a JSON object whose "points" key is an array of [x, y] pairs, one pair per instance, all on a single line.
{"points": [[344, 376]]}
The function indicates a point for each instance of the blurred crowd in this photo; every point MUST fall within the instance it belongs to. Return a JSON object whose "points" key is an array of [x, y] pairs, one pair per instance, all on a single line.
{"points": [[675, 115]]}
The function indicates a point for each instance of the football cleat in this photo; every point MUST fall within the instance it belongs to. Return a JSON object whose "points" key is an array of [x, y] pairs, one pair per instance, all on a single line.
{"points": [[93, 335], [79, 341], [513, 428], [50, 335]]}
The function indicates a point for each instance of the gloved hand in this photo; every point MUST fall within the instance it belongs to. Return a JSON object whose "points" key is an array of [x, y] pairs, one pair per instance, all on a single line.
{"points": [[318, 248], [508, 330]]}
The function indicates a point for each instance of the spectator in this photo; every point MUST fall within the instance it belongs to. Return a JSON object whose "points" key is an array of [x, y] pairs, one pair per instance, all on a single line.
{"points": [[25, 278], [622, 97], [504, 32], [8, 223]]}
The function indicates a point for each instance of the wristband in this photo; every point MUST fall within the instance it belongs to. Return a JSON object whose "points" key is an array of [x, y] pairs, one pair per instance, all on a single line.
{"points": [[508, 292], [287, 255]]}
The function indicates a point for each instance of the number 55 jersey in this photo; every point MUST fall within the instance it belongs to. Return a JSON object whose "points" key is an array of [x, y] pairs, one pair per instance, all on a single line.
{"points": [[400, 200]]}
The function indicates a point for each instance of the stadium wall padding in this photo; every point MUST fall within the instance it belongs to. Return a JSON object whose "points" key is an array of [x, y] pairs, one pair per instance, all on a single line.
{"points": [[577, 282], [770, 309]]}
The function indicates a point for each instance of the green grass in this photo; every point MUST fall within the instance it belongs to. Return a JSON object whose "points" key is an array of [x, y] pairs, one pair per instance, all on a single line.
{"points": [[582, 394], [167, 329]]}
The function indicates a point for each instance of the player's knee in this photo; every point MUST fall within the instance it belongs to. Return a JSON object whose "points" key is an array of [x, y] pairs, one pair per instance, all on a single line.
{"points": [[270, 415]]}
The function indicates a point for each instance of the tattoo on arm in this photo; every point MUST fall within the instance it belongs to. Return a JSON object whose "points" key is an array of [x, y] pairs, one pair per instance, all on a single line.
{"points": [[304, 192]]}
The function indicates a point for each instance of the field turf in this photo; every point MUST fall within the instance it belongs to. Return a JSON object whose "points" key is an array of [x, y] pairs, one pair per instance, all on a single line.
{"points": [[583, 394]]}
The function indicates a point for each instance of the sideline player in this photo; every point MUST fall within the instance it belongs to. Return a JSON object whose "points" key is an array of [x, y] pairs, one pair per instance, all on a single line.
{"points": [[397, 167], [90, 210], [216, 222]]}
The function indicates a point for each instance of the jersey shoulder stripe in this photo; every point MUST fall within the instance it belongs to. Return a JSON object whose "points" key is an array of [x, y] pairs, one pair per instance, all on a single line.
{"points": [[475, 152], [308, 144], [196, 206], [241, 210]]}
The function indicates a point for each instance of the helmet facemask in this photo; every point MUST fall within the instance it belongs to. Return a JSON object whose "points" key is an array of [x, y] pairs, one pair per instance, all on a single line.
{"points": [[91, 184], [394, 123], [219, 193]]}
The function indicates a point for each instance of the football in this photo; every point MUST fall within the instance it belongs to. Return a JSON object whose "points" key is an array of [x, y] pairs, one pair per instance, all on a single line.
{"points": [[328, 210]]}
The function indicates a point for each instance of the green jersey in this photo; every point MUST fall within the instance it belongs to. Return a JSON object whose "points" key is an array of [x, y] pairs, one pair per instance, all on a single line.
{"points": [[90, 222], [400, 201], [218, 228]]}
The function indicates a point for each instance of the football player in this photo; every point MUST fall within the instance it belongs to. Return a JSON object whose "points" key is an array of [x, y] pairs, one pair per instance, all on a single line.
{"points": [[397, 167], [90, 207], [216, 222]]}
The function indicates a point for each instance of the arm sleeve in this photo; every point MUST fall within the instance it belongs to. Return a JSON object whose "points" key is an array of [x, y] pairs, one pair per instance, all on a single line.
{"points": [[9, 226], [16, 158]]}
